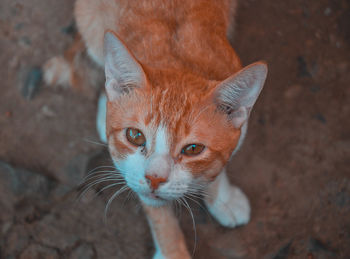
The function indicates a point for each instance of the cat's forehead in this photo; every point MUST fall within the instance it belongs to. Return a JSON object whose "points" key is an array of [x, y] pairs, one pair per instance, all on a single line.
{"points": [[175, 113], [179, 81], [176, 98]]}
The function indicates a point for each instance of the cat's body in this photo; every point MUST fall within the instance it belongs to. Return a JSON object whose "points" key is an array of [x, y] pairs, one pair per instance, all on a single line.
{"points": [[177, 104], [182, 35]]}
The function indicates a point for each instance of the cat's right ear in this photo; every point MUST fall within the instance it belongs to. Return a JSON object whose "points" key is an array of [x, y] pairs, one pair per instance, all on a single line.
{"points": [[123, 71]]}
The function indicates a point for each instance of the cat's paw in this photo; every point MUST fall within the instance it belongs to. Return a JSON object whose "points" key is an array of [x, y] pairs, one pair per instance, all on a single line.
{"points": [[57, 71], [230, 209]]}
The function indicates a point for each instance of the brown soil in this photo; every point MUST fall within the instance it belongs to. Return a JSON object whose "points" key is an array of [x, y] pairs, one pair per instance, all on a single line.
{"points": [[294, 164]]}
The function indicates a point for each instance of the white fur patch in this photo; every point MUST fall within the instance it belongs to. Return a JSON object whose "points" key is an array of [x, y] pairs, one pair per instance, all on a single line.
{"points": [[101, 117], [230, 207], [132, 168], [57, 71], [161, 142], [159, 163]]}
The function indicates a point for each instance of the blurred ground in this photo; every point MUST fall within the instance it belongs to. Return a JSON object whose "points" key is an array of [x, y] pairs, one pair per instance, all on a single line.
{"points": [[294, 165]]}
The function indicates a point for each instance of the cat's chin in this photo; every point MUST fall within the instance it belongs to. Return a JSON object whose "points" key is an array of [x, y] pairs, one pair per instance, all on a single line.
{"points": [[153, 201]]}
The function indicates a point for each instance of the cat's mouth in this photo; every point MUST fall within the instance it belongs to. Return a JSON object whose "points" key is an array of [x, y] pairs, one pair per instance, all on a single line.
{"points": [[154, 196], [152, 199]]}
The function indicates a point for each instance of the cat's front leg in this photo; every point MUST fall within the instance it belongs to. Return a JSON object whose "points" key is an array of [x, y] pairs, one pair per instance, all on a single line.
{"points": [[166, 232], [227, 203]]}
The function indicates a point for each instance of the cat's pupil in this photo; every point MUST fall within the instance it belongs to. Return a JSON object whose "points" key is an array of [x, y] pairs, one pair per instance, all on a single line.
{"points": [[135, 137]]}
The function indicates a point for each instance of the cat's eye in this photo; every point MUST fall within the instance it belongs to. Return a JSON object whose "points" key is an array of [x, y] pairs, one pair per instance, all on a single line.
{"points": [[192, 149], [135, 137]]}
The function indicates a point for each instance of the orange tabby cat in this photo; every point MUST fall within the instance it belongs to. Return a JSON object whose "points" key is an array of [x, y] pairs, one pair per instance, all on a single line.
{"points": [[178, 102]]}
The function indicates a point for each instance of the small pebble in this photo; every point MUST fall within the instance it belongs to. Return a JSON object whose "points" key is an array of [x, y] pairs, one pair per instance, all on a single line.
{"points": [[327, 11], [293, 91], [19, 26], [47, 111], [302, 67], [261, 121], [25, 41], [343, 67], [315, 88], [6, 227], [320, 117], [8, 114], [14, 62]]}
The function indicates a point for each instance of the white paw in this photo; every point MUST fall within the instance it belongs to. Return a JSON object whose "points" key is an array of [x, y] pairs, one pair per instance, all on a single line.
{"points": [[231, 208], [57, 71]]}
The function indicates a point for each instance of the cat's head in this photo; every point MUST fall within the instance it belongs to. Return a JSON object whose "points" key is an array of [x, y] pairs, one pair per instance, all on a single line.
{"points": [[170, 133]]}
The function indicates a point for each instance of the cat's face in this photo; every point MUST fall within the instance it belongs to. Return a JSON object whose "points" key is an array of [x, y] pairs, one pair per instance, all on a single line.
{"points": [[168, 140], [170, 132]]}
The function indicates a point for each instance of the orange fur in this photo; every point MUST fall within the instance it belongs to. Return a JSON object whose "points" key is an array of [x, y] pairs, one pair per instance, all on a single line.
{"points": [[182, 48]]}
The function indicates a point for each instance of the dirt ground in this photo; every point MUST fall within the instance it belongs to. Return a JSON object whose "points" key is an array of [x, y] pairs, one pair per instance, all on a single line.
{"points": [[294, 165]]}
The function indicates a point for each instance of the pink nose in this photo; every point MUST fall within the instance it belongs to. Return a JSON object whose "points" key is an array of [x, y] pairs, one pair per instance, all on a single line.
{"points": [[154, 181]]}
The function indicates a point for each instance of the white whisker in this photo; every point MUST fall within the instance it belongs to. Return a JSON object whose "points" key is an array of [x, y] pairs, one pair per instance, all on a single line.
{"points": [[100, 176], [193, 223], [90, 185], [121, 190], [95, 142], [128, 197], [99, 173], [108, 186]]}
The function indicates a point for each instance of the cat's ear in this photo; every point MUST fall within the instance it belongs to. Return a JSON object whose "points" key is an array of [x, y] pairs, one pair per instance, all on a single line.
{"points": [[236, 95], [123, 71]]}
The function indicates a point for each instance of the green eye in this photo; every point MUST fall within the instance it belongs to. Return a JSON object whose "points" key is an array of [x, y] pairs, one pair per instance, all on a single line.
{"points": [[192, 149], [135, 137]]}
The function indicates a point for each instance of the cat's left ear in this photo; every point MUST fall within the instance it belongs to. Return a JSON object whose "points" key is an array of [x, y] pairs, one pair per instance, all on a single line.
{"points": [[123, 71], [236, 95]]}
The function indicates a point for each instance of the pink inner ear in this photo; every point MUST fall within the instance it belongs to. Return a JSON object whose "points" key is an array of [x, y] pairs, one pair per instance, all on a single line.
{"points": [[239, 117], [240, 92], [112, 89], [123, 71]]}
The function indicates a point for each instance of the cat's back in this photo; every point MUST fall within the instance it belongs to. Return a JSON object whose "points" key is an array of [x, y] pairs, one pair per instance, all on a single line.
{"points": [[160, 33]]}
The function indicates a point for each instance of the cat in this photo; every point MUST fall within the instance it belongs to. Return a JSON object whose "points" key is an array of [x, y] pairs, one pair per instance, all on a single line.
{"points": [[176, 107]]}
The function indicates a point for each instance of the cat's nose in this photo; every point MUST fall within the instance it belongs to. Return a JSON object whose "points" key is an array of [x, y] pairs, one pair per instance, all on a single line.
{"points": [[154, 180]]}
